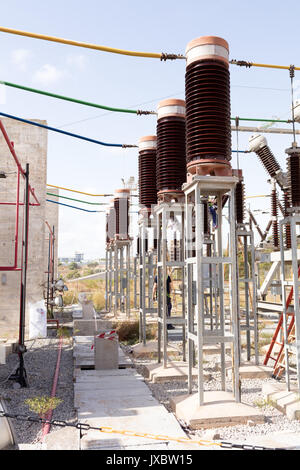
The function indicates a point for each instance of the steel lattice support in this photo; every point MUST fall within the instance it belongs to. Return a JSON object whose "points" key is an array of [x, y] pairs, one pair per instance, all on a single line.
{"points": [[290, 347], [164, 263], [201, 330], [146, 273], [117, 276], [250, 325]]}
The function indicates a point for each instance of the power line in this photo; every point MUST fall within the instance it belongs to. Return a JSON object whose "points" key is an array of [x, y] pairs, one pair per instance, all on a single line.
{"points": [[70, 134]]}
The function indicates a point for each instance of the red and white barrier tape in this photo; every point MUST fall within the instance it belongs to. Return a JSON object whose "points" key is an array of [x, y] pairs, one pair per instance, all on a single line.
{"points": [[110, 335]]}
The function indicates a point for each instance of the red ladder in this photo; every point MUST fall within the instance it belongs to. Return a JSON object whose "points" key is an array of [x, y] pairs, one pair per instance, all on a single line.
{"points": [[279, 328]]}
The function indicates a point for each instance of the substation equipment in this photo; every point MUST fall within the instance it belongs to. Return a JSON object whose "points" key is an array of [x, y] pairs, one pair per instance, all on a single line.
{"points": [[169, 213], [118, 244], [146, 243]]}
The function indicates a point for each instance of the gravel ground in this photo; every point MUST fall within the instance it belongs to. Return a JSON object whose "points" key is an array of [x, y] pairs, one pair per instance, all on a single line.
{"points": [[40, 362], [275, 421]]}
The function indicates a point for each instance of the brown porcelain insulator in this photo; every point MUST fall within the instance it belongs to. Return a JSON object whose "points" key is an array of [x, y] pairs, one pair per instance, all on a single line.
{"points": [[240, 202], [205, 218], [293, 164], [286, 204], [170, 157], [147, 171], [207, 86], [274, 213], [121, 206], [111, 221]]}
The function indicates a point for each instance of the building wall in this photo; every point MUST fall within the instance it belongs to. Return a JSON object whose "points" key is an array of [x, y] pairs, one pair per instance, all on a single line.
{"points": [[30, 144]]}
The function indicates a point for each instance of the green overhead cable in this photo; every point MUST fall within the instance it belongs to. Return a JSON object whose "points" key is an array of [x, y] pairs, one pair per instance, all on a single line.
{"points": [[74, 100], [79, 200]]}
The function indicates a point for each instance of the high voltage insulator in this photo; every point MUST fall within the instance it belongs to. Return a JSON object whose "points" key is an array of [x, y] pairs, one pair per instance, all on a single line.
{"points": [[121, 206], [293, 165], [207, 86], [170, 157], [111, 221], [274, 215], [239, 197], [259, 145], [147, 171], [286, 205]]}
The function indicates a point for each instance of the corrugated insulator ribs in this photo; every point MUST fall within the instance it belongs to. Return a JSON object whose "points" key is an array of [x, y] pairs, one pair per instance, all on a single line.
{"points": [[286, 204], [293, 164], [274, 214], [147, 171], [170, 160], [121, 206], [207, 86], [240, 202]]}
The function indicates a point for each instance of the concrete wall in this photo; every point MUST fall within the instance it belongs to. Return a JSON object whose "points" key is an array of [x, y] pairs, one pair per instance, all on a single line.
{"points": [[30, 144]]}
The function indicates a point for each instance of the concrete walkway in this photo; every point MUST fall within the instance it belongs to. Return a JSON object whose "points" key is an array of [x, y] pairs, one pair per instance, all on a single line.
{"points": [[120, 399]]}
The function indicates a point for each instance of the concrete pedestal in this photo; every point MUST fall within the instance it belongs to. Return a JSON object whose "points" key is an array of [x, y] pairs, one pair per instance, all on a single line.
{"points": [[175, 371], [106, 353], [288, 402], [219, 410], [251, 371]]}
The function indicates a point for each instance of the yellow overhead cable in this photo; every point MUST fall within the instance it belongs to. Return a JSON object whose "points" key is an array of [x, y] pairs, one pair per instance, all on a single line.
{"points": [[44, 37], [80, 192], [268, 66]]}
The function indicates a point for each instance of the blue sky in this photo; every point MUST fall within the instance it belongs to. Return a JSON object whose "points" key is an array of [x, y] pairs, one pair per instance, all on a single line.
{"points": [[265, 32]]}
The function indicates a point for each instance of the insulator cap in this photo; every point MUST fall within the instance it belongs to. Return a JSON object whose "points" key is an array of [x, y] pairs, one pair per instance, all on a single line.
{"points": [[207, 47], [256, 142], [147, 142], [171, 107]]}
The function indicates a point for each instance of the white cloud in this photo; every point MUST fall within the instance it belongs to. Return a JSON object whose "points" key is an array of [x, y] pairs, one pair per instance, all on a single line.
{"points": [[20, 58], [47, 75], [78, 61]]}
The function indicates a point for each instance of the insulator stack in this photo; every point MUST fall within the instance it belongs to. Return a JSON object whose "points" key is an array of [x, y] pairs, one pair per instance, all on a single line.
{"points": [[111, 221], [170, 157], [259, 145], [293, 164], [208, 126], [286, 205], [239, 197], [274, 214], [121, 205], [147, 172], [206, 229]]}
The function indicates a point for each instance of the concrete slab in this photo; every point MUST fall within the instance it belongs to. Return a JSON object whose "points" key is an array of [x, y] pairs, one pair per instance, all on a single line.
{"points": [[251, 371], [288, 402], [63, 439], [219, 410], [123, 402], [280, 440], [150, 350], [175, 370]]}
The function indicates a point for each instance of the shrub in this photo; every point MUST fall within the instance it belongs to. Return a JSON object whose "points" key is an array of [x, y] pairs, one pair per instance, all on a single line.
{"points": [[42, 405]]}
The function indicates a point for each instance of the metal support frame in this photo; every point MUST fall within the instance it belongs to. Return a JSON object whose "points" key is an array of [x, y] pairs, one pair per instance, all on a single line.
{"points": [[201, 330], [164, 264], [146, 279], [293, 220], [118, 276], [246, 237]]}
